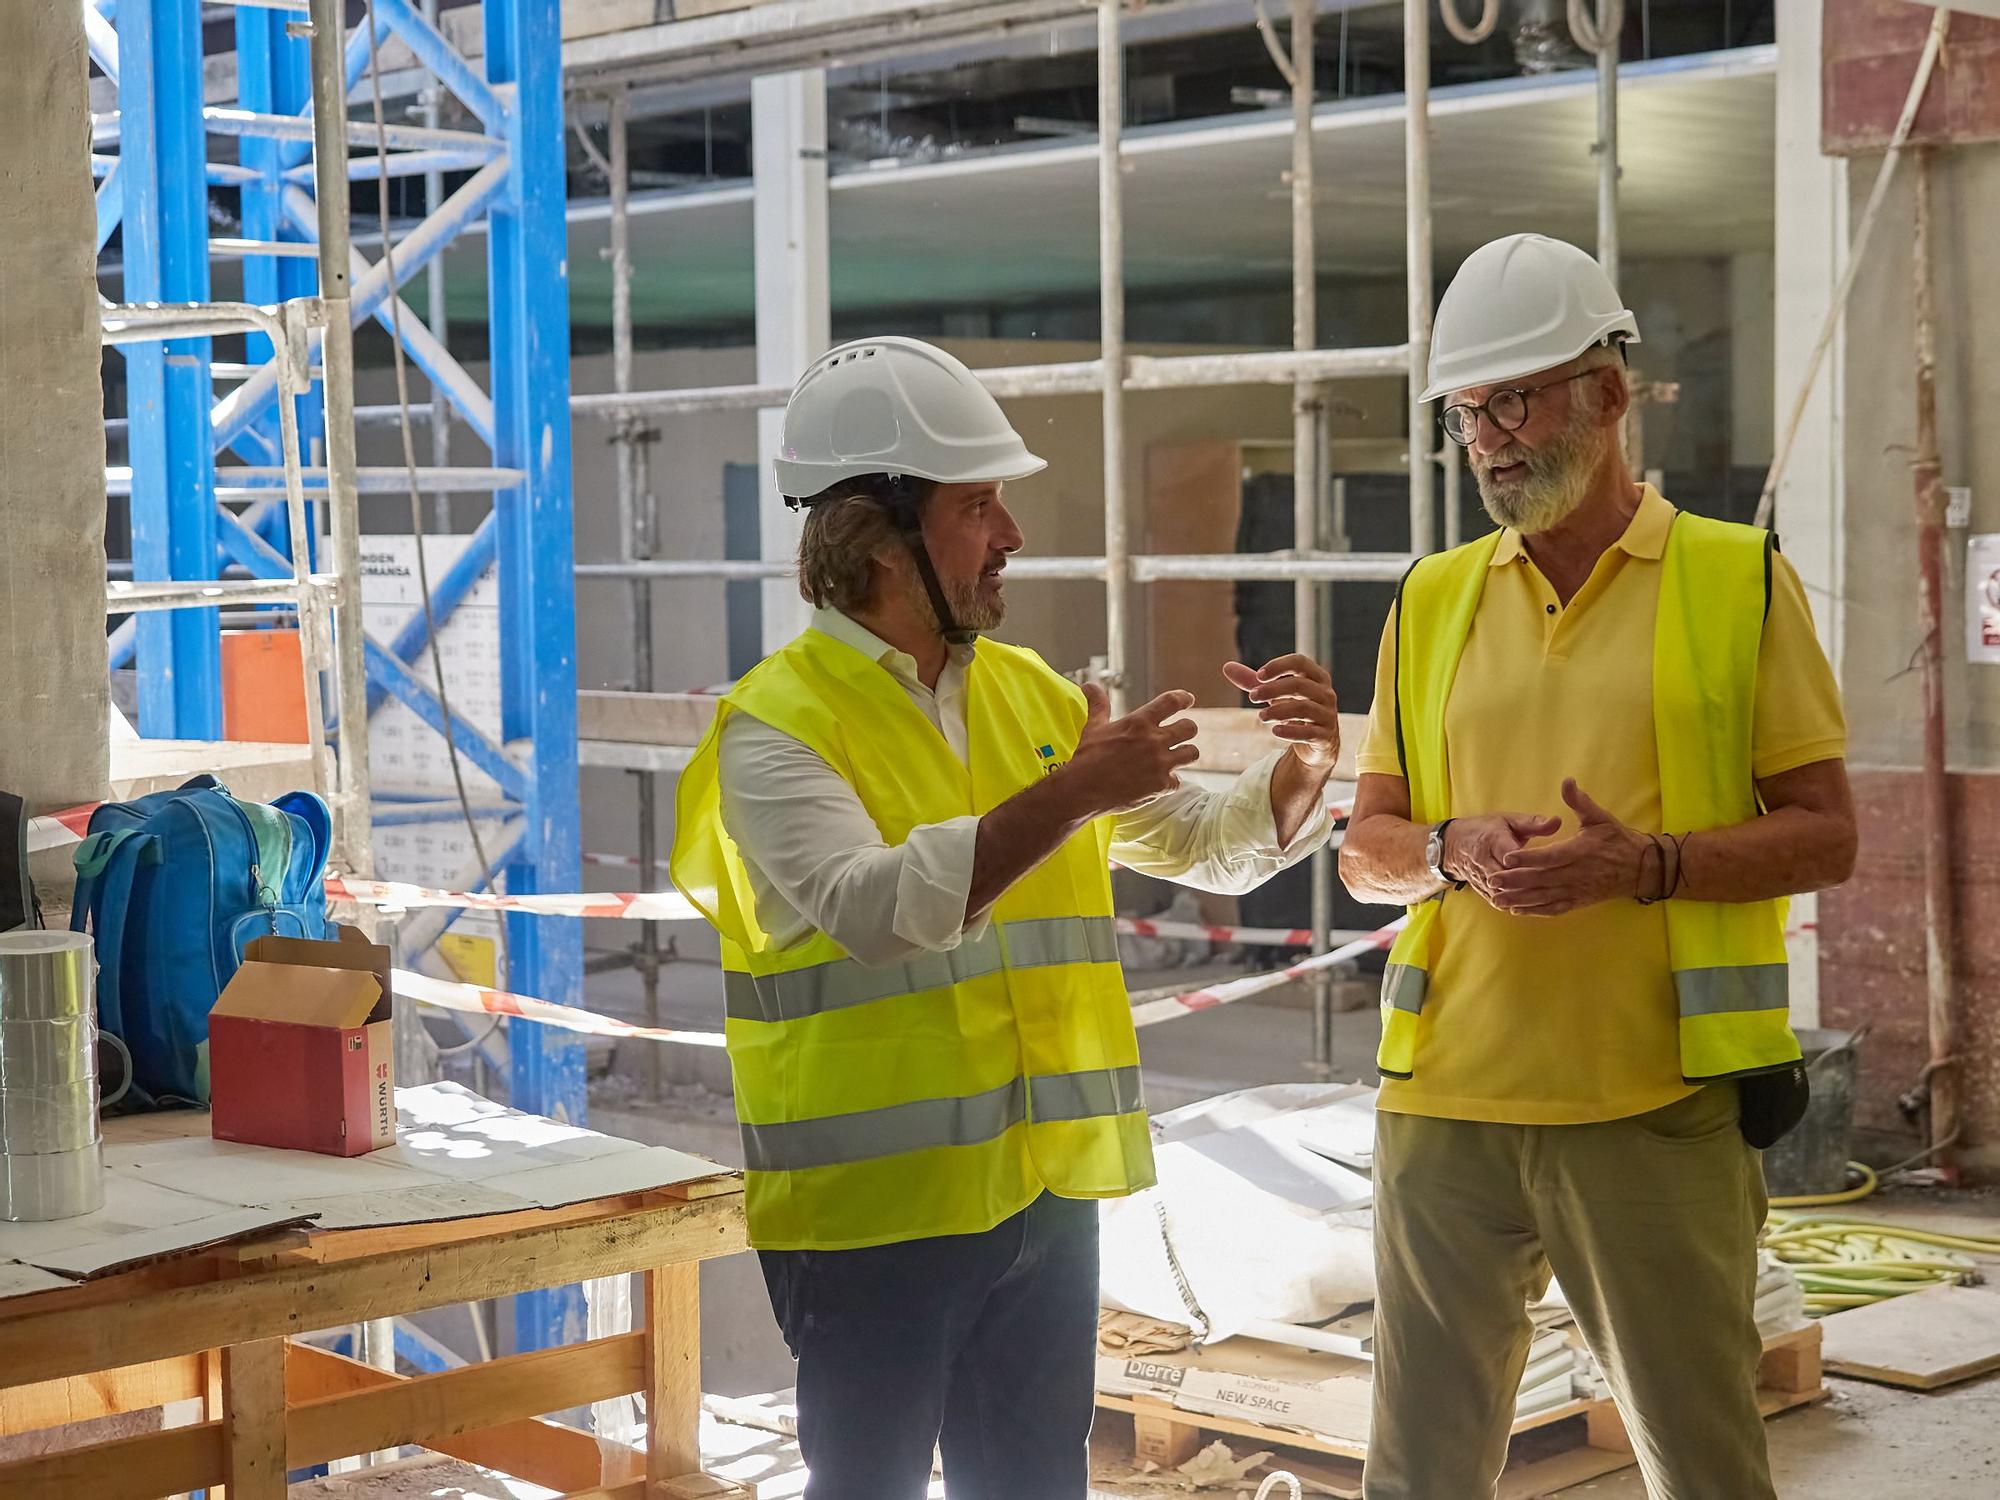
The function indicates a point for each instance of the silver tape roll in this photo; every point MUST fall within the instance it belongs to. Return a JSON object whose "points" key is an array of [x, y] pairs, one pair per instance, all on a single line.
{"points": [[52, 1185], [47, 976], [48, 1054], [35, 1121], [51, 1165]]}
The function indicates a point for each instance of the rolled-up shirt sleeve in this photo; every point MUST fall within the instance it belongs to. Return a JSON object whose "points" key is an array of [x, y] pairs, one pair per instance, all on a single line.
{"points": [[1222, 841], [809, 841]]}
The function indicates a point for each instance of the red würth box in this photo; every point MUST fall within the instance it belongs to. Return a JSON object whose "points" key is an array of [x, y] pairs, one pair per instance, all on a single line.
{"points": [[300, 1047]]}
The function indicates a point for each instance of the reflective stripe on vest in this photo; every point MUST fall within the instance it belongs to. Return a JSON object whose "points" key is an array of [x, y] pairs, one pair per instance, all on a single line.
{"points": [[794, 994], [1729, 964], [970, 1120], [1714, 992]]}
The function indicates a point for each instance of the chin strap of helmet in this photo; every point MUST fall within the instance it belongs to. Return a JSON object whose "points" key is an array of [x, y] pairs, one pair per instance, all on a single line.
{"points": [[901, 503], [898, 498]]}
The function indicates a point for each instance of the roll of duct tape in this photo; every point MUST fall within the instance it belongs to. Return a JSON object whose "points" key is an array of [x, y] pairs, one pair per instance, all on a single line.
{"points": [[48, 1054], [51, 1162], [46, 976], [51, 1185], [34, 1121]]}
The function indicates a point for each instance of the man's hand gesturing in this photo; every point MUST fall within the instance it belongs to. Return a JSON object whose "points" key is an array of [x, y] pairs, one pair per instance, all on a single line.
{"points": [[1119, 763], [1295, 697]]}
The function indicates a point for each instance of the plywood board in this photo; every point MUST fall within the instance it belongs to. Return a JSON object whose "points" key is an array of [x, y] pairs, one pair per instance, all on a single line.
{"points": [[644, 718], [1194, 493], [1926, 1340]]}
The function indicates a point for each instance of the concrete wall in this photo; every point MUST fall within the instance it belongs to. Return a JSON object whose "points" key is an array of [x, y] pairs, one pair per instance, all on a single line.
{"points": [[54, 746], [1875, 965]]}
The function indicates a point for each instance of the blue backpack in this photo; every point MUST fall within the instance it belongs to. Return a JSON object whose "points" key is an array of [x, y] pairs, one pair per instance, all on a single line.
{"points": [[174, 885]]}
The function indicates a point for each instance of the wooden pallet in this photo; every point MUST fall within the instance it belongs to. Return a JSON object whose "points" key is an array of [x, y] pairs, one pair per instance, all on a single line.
{"points": [[1547, 1452]]}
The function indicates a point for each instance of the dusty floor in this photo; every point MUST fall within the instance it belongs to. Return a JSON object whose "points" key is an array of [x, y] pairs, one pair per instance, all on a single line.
{"points": [[1867, 1443]]}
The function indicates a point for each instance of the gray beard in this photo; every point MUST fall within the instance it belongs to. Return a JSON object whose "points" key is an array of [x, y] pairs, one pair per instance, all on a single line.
{"points": [[969, 610], [1557, 481]]}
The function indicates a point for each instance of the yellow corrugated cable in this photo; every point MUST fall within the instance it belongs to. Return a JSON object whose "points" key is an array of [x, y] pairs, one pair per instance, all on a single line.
{"points": [[1854, 1194], [1842, 1263]]}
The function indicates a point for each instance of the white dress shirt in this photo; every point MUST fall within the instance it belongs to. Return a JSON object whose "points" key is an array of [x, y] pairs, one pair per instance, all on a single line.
{"points": [[817, 862]]}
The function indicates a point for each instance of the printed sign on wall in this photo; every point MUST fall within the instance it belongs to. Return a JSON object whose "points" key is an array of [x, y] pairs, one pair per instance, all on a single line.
{"points": [[1982, 598]]}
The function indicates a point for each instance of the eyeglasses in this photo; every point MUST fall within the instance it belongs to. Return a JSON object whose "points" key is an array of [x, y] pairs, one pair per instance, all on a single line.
{"points": [[1506, 409]]}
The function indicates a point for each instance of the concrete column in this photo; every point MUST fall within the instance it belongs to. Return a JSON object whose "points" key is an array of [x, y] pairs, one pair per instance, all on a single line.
{"points": [[788, 161], [1811, 245], [54, 690], [1752, 392]]}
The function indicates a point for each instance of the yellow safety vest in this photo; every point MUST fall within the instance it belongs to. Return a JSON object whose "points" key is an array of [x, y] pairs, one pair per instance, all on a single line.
{"points": [[943, 1094], [1728, 960]]}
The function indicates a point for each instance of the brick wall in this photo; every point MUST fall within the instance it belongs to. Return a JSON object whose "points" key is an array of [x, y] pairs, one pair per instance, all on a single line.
{"points": [[1872, 953]]}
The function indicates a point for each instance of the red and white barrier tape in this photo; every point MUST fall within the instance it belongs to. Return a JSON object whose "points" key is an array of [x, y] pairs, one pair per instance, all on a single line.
{"points": [[1152, 1012], [671, 906], [477, 1000], [640, 906], [1198, 932], [472, 999], [58, 829]]}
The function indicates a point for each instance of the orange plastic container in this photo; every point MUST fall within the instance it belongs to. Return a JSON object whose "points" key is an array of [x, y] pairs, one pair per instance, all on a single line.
{"points": [[263, 689]]}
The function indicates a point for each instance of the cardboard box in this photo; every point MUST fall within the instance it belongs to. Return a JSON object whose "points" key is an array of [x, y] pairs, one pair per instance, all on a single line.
{"points": [[301, 1051]]}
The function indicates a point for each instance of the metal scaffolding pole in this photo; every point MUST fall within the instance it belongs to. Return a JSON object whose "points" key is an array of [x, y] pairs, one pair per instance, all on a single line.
{"points": [[435, 314], [1224, 567], [353, 845], [1610, 18], [1940, 1086], [1454, 478], [1111, 305], [637, 515], [1417, 205], [1307, 463], [1143, 372]]}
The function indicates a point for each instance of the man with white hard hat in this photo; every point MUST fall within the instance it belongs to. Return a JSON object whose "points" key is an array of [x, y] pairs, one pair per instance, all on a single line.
{"points": [[902, 831], [1605, 747]]}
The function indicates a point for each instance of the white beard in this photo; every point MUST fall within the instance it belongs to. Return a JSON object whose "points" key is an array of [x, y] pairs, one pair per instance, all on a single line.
{"points": [[1558, 478]]}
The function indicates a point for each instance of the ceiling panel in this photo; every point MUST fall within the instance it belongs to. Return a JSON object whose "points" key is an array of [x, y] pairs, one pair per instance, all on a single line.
{"points": [[1207, 205]]}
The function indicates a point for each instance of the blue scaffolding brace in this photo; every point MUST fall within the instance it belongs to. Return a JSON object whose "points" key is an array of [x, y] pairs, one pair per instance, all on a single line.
{"points": [[194, 518]]}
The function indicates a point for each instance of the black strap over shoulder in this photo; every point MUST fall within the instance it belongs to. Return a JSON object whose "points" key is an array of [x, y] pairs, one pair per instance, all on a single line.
{"points": [[1396, 677]]}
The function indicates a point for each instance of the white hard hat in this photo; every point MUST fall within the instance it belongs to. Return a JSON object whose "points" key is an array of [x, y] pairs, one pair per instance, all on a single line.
{"points": [[1518, 305], [895, 406]]}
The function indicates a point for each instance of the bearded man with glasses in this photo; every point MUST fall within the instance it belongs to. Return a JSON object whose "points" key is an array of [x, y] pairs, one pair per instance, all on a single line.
{"points": [[1604, 747]]}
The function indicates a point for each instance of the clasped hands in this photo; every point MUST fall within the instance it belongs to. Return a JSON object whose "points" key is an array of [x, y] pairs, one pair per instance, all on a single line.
{"points": [[1603, 861]]}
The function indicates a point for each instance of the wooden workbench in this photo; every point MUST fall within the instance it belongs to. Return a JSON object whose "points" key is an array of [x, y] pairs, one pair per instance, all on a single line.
{"points": [[214, 1325]]}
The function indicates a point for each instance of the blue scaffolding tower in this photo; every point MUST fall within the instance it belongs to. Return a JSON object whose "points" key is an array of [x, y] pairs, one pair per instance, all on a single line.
{"points": [[205, 493]]}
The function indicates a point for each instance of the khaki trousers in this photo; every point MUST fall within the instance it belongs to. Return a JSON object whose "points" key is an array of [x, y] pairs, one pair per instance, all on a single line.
{"points": [[1650, 1226]]}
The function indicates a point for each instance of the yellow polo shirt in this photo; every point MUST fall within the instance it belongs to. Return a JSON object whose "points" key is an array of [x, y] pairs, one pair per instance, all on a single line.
{"points": [[1563, 1020]]}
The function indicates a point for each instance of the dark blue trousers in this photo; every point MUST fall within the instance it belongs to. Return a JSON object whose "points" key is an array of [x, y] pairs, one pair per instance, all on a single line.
{"points": [[982, 1344]]}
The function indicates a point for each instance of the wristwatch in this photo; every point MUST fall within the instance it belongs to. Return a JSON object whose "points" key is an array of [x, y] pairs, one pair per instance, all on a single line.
{"points": [[1434, 858]]}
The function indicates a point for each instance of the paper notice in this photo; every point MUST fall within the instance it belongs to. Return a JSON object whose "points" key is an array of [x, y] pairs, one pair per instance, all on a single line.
{"points": [[1982, 598]]}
